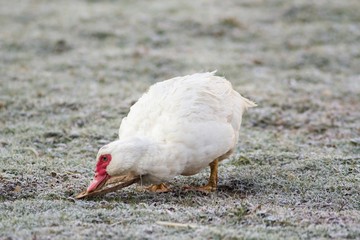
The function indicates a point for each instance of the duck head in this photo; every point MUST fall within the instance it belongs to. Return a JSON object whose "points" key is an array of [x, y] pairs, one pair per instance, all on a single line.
{"points": [[115, 159]]}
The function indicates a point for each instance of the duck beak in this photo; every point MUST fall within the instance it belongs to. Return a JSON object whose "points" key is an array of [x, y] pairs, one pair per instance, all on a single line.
{"points": [[98, 181]]}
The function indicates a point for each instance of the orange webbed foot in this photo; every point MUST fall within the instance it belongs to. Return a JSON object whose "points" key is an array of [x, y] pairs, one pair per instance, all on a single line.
{"points": [[160, 188]]}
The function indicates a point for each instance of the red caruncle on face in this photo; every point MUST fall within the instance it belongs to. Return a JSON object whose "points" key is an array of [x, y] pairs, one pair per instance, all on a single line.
{"points": [[101, 176], [102, 163]]}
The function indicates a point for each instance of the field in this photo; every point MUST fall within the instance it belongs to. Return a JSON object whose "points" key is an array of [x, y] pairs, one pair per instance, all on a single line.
{"points": [[70, 70]]}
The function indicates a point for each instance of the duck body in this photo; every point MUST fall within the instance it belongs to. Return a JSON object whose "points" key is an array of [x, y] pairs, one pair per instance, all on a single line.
{"points": [[178, 127], [190, 121]]}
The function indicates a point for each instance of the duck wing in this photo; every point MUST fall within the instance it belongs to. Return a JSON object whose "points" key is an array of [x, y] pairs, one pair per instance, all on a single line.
{"points": [[180, 102]]}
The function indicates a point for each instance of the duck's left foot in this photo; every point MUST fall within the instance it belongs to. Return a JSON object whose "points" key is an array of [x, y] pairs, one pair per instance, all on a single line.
{"points": [[208, 188], [213, 180], [160, 188]]}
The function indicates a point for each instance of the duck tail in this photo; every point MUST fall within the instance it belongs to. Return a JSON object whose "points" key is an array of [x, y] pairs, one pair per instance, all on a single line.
{"points": [[248, 103]]}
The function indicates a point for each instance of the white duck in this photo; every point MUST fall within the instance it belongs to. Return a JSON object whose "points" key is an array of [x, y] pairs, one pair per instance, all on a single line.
{"points": [[179, 127]]}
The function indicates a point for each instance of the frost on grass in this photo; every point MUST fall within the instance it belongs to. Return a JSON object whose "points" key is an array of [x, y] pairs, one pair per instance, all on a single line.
{"points": [[70, 73]]}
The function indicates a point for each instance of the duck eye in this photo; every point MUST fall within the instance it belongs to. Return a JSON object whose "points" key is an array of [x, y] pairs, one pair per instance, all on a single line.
{"points": [[104, 158]]}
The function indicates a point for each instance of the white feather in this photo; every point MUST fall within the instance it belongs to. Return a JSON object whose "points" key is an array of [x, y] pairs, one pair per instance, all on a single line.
{"points": [[180, 126]]}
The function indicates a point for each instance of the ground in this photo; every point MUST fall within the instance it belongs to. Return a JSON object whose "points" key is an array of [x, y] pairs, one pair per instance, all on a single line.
{"points": [[70, 70]]}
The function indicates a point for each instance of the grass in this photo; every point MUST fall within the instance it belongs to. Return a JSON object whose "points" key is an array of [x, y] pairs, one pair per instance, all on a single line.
{"points": [[70, 72]]}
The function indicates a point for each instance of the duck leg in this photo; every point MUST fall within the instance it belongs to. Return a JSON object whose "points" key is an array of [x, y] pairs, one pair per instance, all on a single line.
{"points": [[213, 179], [159, 188]]}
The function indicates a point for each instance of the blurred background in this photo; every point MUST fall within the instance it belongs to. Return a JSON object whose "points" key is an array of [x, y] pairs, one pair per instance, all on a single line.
{"points": [[70, 70]]}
